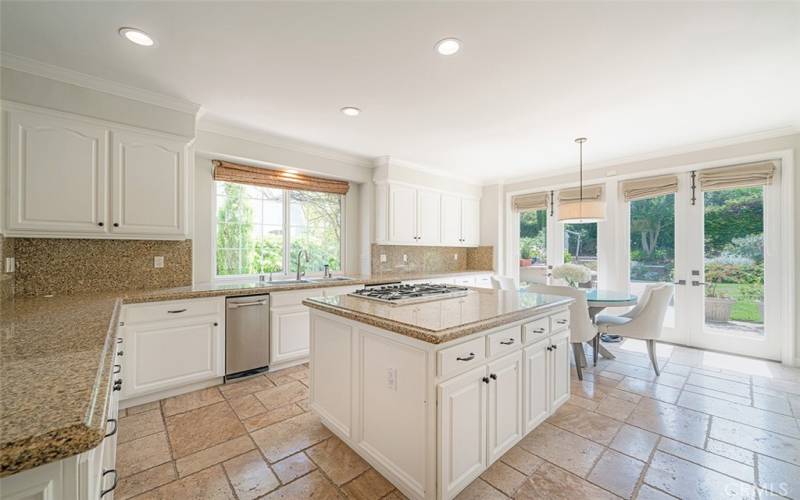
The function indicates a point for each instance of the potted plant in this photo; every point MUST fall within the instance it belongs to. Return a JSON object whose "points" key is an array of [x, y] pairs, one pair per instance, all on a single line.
{"points": [[525, 252], [573, 274], [718, 304]]}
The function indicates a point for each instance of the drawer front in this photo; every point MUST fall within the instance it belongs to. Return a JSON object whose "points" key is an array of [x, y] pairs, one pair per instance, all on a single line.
{"points": [[294, 298], [536, 330], [483, 281], [179, 309], [504, 341], [559, 321], [467, 355], [465, 280]]}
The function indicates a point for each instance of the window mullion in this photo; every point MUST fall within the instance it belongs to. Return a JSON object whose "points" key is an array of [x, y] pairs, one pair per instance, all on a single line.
{"points": [[286, 233]]}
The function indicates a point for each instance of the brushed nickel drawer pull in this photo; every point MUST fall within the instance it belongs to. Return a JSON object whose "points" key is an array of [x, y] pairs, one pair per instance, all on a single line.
{"points": [[561, 321], [507, 342], [176, 311], [539, 330], [468, 358]]}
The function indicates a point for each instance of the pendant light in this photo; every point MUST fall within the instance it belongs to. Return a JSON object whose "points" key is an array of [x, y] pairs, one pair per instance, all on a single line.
{"points": [[581, 211]]}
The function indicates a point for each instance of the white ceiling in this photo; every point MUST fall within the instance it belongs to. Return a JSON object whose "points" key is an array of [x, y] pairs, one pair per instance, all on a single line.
{"points": [[635, 78]]}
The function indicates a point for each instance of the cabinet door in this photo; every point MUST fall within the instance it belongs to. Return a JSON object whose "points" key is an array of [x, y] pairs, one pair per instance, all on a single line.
{"points": [[289, 333], [505, 404], [470, 221], [535, 392], [451, 220], [402, 214], [462, 440], [559, 372], [57, 175], [149, 186], [165, 354], [429, 222]]}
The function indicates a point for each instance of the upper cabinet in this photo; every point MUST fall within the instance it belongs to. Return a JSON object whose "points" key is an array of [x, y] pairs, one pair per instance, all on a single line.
{"points": [[78, 178], [410, 215]]}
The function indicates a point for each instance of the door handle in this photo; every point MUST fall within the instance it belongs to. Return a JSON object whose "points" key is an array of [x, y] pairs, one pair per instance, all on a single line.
{"points": [[236, 305], [507, 342], [679, 282], [176, 311], [468, 358], [698, 283]]}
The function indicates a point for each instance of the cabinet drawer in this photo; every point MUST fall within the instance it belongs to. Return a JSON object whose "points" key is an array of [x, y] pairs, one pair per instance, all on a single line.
{"points": [[159, 311], [483, 281], [559, 321], [465, 280], [503, 341], [536, 330], [466, 355]]}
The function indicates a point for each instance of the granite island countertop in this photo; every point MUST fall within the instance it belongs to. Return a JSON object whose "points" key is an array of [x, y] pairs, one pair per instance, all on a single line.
{"points": [[56, 355], [55, 373], [444, 320]]}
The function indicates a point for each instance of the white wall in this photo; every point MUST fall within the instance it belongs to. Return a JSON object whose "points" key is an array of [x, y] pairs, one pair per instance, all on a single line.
{"points": [[491, 228], [610, 174], [213, 145]]}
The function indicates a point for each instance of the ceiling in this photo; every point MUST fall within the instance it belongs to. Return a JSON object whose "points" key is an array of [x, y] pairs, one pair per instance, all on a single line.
{"points": [[635, 78]]}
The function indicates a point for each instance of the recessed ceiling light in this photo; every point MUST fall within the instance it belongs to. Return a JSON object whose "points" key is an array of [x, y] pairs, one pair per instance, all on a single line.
{"points": [[138, 37], [350, 111], [448, 46]]}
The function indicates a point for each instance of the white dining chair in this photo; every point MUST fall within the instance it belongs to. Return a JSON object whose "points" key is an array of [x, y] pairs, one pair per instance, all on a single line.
{"points": [[503, 283], [645, 322], [581, 328]]}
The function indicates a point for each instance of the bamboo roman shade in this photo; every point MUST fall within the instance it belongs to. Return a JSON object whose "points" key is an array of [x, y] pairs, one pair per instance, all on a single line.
{"points": [[267, 177], [649, 187], [746, 175], [592, 193], [530, 202]]}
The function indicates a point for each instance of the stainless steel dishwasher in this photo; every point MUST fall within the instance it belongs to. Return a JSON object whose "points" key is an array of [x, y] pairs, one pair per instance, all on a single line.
{"points": [[246, 335]]}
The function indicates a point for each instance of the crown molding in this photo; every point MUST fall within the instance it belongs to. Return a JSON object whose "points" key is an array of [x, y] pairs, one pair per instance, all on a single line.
{"points": [[391, 160], [64, 75], [663, 153], [214, 125]]}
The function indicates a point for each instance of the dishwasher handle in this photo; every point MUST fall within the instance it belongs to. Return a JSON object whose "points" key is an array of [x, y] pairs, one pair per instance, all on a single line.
{"points": [[236, 305]]}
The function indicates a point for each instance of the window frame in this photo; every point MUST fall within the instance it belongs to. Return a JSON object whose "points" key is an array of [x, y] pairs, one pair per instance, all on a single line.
{"points": [[287, 257]]}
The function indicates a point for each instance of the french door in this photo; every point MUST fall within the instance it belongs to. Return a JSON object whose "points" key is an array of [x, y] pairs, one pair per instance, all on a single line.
{"points": [[721, 249]]}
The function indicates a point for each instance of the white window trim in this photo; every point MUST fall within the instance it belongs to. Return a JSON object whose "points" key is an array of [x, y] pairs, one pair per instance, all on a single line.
{"points": [[286, 244]]}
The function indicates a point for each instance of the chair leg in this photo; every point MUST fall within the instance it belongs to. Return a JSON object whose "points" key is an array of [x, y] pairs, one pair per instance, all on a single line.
{"points": [[596, 348], [651, 350], [577, 350]]}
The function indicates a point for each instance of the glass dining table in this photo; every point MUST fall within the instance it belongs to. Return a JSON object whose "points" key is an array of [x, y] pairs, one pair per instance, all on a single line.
{"points": [[599, 299]]}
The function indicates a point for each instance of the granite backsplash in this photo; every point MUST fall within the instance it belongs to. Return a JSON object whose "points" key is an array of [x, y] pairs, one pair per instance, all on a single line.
{"points": [[62, 266], [421, 259]]}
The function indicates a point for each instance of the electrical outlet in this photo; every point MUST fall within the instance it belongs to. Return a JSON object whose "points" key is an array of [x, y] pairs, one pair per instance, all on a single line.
{"points": [[391, 378], [455, 256], [11, 264], [383, 258], [158, 262], [405, 258]]}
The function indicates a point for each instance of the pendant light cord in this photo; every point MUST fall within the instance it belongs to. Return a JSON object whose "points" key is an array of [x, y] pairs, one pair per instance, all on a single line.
{"points": [[580, 189]]}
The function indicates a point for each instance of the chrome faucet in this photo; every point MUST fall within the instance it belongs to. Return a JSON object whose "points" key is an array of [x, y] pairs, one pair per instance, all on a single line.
{"points": [[299, 254]]}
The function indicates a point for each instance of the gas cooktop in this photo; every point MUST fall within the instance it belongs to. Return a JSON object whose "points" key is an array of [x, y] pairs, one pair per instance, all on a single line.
{"points": [[409, 294]]}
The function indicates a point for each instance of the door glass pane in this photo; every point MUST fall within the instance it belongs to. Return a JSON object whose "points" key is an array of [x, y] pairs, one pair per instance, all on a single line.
{"points": [[580, 247], [533, 247], [315, 221], [652, 246], [734, 260]]}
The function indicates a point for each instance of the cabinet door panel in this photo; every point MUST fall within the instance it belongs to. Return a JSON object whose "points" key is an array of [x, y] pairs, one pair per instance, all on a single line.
{"points": [[429, 220], [470, 221], [148, 185], [451, 220], [57, 174], [462, 440], [560, 370], [536, 393], [290, 334], [505, 404], [332, 373], [402, 214], [162, 355]]}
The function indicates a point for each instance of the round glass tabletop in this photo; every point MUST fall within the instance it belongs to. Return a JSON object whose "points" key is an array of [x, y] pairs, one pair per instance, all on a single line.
{"points": [[599, 295]]}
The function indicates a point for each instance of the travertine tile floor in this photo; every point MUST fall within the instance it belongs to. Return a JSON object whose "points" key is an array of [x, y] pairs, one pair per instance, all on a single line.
{"points": [[711, 426]]}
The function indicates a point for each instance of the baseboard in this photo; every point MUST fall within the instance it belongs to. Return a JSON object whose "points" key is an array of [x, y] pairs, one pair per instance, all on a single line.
{"points": [[168, 393]]}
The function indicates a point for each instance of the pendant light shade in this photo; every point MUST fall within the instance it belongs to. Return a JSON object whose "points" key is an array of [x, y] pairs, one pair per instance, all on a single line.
{"points": [[582, 210]]}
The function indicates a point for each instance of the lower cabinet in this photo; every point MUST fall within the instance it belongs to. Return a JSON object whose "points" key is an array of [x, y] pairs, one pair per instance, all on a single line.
{"points": [[546, 377], [505, 404]]}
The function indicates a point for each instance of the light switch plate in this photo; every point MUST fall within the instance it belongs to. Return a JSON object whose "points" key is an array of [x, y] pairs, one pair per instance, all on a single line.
{"points": [[158, 262], [10, 265], [383, 257], [405, 258]]}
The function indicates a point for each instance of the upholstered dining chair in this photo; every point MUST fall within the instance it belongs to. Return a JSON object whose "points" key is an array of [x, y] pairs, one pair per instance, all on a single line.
{"points": [[645, 322], [503, 283], [581, 328]]}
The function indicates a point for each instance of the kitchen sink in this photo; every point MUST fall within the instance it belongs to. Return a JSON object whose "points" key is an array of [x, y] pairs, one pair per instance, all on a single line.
{"points": [[286, 282], [327, 280]]}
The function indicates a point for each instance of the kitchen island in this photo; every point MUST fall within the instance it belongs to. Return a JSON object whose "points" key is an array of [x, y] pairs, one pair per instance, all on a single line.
{"points": [[432, 393]]}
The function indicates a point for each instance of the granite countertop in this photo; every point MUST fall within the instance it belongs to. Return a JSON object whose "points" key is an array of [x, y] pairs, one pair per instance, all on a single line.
{"points": [[235, 288], [55, 363], [444, 320], [55, 371]]}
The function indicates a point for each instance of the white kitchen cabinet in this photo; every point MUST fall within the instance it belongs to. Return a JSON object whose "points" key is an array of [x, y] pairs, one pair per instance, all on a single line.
{"points": [[536, 397], [172, 344], [77, 177], [462, 441], [289, 334], [410, 215], [505, 404], [402, 214], [429, 221], [559, 370], [149, 185], [57, 175]]}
